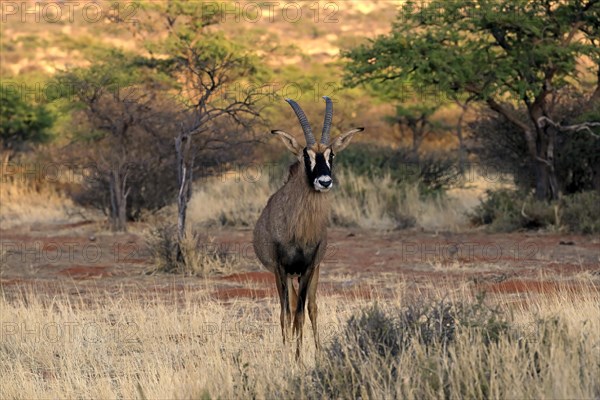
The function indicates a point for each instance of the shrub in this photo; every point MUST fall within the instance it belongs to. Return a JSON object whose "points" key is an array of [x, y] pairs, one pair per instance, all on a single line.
{"points": [[200, 256], [581, 212], [507, 210], [434, 173], [365, 358], [22, 123]]}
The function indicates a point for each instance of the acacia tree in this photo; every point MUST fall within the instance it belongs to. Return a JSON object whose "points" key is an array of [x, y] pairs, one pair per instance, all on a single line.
{"points": [[501, 53], [148, 118], [21, 123], [215, 121], [418, 121], [122, 127]]}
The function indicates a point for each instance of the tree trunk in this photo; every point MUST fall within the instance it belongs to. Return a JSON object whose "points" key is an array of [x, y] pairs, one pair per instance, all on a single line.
{"points": [[546, 181], [417, 139], [541, 180], [185, 166], [118, 200], [540, 145], [596, 178], [461, 144]]}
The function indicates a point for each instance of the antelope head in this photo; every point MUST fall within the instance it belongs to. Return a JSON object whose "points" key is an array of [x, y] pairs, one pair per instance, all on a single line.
{"points": [[316, 157]]}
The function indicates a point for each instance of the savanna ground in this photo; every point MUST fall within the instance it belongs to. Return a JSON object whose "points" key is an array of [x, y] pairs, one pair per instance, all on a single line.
{"points": [[86, 314]]}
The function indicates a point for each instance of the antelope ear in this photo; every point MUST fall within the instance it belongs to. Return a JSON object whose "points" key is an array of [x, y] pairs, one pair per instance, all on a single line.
{"points": [[342, 141], [289, 142]]}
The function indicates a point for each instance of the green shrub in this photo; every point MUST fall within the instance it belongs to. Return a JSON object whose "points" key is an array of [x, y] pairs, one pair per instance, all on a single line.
{"points": [[581, 212], [22, 123], [434, 173], [507, 210]]}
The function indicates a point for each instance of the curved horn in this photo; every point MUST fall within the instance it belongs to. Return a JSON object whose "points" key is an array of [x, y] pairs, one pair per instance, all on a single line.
{"points": [[308, 135], [327, 122]]}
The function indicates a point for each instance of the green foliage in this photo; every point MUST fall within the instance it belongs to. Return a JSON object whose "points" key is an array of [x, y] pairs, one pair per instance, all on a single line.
{"points": [[581, 212], [500, 53], [22, 122], [507, 210], [499, 48], [434, 173]]}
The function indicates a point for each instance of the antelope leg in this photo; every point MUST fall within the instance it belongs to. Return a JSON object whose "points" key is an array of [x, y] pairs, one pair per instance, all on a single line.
{"points": [[312, 305]]}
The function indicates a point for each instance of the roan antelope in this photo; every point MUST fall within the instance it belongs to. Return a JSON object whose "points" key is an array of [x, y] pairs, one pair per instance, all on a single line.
{"points": [[290, 237]]}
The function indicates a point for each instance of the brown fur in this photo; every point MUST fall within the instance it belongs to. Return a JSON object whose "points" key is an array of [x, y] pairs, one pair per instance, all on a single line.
{"points": [[296, 215], [309, 209], [318, 147], [290, 238]]}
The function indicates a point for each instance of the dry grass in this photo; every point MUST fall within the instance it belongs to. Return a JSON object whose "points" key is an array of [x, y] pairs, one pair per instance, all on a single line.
{"points": [[26, 201], [200, 256], [358, 201], [193, 346], [228, 201], [232, 201]]}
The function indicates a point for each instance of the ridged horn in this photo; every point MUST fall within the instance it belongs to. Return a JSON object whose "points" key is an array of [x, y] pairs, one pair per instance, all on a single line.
{"points": [[327, 122], [308, 135]]}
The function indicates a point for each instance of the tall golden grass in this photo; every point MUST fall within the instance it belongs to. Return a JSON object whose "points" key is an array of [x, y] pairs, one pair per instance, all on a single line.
{"points": [[193, 346], [359, 201], [32, 199]]}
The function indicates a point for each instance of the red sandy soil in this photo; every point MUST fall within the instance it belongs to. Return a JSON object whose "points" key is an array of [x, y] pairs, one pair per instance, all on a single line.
{"points": [[82, 258]]}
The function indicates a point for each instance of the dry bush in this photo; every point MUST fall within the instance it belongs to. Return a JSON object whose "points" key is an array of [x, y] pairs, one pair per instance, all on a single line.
{"points": [[200, 256], [375, 337]]}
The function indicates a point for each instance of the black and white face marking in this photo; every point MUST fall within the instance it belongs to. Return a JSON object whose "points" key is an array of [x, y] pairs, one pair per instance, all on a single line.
{"points": [[318, 169]]}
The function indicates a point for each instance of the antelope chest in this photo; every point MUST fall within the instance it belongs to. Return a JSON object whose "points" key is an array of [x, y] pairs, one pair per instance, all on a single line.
{"points": [[296, 259]]}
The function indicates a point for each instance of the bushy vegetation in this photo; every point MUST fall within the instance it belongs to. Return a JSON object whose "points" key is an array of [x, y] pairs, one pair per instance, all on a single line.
{"points": [[22, 123], [433, 173], [374, 342], [581, 212], [504, 211], [509, 210], [199, 255], [440, 349]]}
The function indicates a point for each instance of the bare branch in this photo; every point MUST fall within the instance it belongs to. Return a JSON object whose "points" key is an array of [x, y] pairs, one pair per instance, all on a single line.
{"points": [[584, 126]]}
